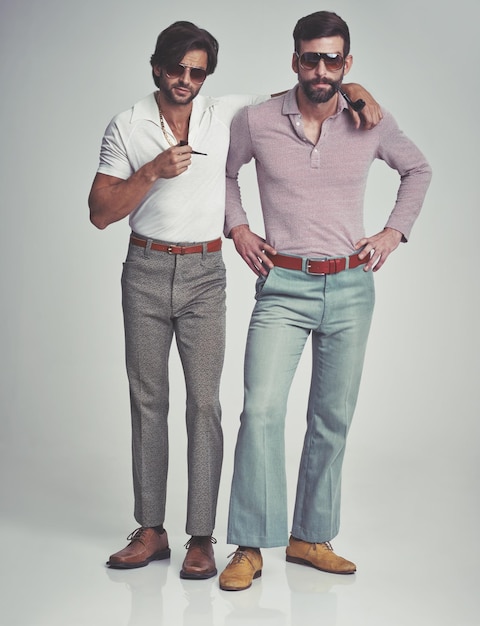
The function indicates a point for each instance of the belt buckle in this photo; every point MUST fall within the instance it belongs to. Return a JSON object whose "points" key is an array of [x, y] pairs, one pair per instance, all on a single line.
{"points": [[170, 249], [308, 266]]}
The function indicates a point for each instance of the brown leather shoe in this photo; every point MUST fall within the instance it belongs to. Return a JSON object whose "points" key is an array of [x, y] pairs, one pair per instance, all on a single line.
{"points": [[318, 555], [242, 570], [146, 544], [199, 562]]}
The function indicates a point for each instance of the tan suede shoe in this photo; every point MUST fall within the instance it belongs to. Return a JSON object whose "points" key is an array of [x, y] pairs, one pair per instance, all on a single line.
{"points": [[146, 544], [318, 555], [199, 562], [239, 574]]}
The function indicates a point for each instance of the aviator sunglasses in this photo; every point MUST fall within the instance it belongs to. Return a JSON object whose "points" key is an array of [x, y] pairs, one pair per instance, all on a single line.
{"points": [[310, 60], [197, 74]]}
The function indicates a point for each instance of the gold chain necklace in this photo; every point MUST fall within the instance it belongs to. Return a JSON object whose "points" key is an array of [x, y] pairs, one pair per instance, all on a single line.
{"points": [[162, 124], [164, 130]]}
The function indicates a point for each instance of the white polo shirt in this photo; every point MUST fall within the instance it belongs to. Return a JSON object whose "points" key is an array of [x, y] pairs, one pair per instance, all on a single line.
{"points": [[191, 206]]}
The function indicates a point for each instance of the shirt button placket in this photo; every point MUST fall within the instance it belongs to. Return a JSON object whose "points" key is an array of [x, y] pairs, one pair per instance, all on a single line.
{"points": [[315, 158]]}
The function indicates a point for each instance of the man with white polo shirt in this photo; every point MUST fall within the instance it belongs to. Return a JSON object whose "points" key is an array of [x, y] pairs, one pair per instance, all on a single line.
{"points": [[162, 164]]}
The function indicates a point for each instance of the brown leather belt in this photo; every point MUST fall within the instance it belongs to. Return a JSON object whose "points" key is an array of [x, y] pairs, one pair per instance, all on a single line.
{"points": [[211, 246], [324, 266]]}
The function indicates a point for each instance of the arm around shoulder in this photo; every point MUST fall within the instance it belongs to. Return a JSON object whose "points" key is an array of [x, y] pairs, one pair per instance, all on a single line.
{"points": [[371, 114]]}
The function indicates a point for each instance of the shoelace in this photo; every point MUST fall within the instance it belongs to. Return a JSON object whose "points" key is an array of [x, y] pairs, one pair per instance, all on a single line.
{"points": [[194, 540], [137, 535], [238, 556], [326, 544]]}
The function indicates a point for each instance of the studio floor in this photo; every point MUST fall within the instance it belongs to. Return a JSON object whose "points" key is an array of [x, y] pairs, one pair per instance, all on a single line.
{"points": [[58, 578]]}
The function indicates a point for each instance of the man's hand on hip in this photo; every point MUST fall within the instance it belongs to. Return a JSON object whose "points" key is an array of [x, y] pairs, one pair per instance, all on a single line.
{"points": [[379, 246], [252, 249]]}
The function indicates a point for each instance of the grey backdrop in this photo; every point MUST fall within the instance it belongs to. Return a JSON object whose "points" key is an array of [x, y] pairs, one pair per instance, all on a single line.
{"points": [[66, 69]]}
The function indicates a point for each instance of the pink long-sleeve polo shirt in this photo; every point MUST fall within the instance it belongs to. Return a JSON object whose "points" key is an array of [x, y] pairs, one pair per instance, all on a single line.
{"points": [[312, 196]]}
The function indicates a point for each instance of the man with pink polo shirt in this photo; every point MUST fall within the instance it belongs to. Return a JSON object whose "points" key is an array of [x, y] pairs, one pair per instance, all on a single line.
{"points": [[162, 167], [315, 278]]}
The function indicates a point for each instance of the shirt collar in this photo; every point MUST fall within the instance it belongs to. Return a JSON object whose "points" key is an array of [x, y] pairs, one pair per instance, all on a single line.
{"points": [[147, 109]]}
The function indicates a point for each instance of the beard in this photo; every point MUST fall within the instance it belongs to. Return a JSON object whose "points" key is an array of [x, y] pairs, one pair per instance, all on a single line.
{"points": [[167, 91], [319, 96]]}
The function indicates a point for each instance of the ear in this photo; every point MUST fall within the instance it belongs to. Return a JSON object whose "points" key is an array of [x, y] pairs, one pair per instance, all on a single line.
{"points": [[348, 64], [156, 70], [295, 63]]}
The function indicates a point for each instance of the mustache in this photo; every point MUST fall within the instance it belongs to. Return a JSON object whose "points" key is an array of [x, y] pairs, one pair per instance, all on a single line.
{"points": [[182, 85], [321, 81]]}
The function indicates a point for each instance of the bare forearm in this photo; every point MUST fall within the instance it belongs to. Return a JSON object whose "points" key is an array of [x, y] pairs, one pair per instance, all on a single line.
{"points": [[111, 199]]}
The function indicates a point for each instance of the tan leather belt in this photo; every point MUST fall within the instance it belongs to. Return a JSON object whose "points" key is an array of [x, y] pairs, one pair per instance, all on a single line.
{"points": [[212, 246], [325, 266]]}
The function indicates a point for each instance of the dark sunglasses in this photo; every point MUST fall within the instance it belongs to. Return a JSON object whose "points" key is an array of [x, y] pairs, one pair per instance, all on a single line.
{"points": [[310, 60], [197, 74]]}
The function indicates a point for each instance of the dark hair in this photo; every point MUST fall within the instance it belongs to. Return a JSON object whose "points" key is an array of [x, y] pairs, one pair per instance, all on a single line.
{"points": [[321, 24], [176, 40]]}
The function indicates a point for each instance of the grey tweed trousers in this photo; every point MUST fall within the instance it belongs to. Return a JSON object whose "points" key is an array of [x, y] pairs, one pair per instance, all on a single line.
{"points": [[166, 295]]}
